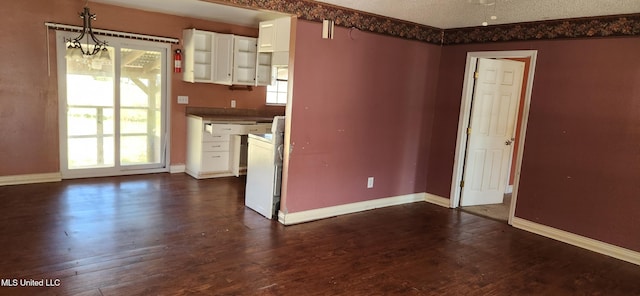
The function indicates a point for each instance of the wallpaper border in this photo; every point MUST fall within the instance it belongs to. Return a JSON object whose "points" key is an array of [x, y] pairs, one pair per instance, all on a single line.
{"points": [[601, 26], [344, 17]]}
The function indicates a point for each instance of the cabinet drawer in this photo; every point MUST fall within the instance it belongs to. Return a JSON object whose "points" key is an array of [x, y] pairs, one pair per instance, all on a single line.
{"points": [[207, 137], [215, 146], [258, 128], [226, 129], [215, 161]]}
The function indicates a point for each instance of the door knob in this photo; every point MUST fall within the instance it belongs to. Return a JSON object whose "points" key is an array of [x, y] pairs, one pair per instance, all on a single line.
{"points": [[508, 142]]}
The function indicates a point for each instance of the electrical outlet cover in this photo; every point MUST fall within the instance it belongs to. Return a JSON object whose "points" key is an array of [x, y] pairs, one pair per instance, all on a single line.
{"points": [[183, 100]]}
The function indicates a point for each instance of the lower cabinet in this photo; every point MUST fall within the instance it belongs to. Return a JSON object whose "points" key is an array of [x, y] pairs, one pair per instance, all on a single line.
{"points": [[218, 149]]}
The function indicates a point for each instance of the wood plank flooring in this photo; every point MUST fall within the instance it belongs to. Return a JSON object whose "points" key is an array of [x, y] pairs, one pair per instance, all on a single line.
{"points": [[172, 235]]}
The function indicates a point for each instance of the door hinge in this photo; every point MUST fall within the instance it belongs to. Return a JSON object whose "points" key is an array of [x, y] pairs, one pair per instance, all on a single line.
{"points": [[476, 75], [462, 183], [468, 131]]}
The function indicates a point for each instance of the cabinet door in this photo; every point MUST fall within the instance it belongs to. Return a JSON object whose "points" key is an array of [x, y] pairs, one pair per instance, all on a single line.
{"points": [[283, 33], [244, 60], [198, 50], [267, 36], [263, 69], [189, 50], [223, 58], [236, 150]]}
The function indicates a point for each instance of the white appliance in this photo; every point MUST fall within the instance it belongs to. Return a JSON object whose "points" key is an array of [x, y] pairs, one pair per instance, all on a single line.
{"points": [[264, 170]]}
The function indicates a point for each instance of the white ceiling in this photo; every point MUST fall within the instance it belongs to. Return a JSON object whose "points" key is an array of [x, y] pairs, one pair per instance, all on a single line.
{"points": [[446, 14], [443, 14], [200, 10]]}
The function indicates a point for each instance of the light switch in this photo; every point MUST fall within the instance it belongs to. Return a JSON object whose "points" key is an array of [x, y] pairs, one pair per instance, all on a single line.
{"points": [[183, 100], [233, 103]]}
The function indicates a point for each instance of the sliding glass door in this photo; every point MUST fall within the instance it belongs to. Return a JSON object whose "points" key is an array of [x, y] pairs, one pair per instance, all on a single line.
{"points": [[113, 113]]}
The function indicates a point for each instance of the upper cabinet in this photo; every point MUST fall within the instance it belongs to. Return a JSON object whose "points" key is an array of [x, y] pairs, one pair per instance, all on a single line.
{"points": [[222, 58], [244, 60], [207, 57], [274, 38]]}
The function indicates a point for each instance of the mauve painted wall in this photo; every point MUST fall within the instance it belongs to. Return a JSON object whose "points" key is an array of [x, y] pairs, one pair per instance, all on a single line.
{"points": [[29, 95], [361, 107], [580, 170]]}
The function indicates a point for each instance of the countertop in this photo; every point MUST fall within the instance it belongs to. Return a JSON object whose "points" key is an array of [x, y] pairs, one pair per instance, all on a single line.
{"points": [[233, 118]]}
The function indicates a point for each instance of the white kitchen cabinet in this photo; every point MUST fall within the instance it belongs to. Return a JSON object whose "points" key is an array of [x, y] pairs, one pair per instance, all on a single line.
{"points": [[244, 60], [274, 35], [273, 40], [218, 149], [267, 36], [208, 57], [223, 59], [264, 75], [198, 53]]}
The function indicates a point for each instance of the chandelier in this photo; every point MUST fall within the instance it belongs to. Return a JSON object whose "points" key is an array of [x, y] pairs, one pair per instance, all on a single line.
{"points": [[76, 49]]}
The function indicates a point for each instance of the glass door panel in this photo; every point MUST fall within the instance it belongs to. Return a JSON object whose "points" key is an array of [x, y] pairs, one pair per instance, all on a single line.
{"points": [[89, 116], [113, 118], [141, 107]]}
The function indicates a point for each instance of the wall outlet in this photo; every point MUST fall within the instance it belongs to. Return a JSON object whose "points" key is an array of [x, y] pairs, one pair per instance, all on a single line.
{"points": [[183, 100], [233, 103], [370, 182]]}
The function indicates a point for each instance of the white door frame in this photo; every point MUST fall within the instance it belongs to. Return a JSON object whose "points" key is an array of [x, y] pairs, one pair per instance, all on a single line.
{"points": [[465, 113], [62, 103]]}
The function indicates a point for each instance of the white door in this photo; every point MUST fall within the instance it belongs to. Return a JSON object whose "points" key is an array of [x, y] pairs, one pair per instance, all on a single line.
{"points": [[491, 131], [113, 116]]}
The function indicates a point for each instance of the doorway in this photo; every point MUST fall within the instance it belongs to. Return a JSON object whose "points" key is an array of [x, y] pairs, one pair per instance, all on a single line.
{"points": [[465, 117], [113, 112]]}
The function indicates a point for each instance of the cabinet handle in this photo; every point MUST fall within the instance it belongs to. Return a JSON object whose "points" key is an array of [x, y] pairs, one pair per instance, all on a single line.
{"points": [[215, 156]]}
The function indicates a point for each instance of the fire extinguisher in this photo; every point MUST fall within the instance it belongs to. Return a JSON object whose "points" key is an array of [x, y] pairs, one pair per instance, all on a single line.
{"points": [[177, 61]]}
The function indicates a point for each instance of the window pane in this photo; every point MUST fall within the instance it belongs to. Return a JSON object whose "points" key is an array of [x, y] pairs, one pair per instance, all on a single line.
{"points": [[93, 152], [140, 120], [282, 98], [135, 150], [133, 121], [88, 86], [273, 86], [90, 100], [272, 98], [82, 121], [282, 86]]}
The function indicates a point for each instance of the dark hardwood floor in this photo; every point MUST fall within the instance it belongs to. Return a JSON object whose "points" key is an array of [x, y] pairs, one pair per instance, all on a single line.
{"points": [[172, 235]]}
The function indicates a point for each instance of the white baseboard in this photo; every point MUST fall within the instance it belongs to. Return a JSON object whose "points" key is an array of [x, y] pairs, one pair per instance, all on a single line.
{"points": [[177, 168], [437, 200], [322, 213], [30, 179], [578, 240]]}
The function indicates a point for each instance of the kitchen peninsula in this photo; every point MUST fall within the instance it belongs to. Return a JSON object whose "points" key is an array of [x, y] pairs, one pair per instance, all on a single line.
{"points": [[217, 140]]}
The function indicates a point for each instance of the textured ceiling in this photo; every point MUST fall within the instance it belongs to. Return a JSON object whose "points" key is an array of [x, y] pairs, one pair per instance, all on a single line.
{"points": [[200, 10], [442, 14], [446, 14]]}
